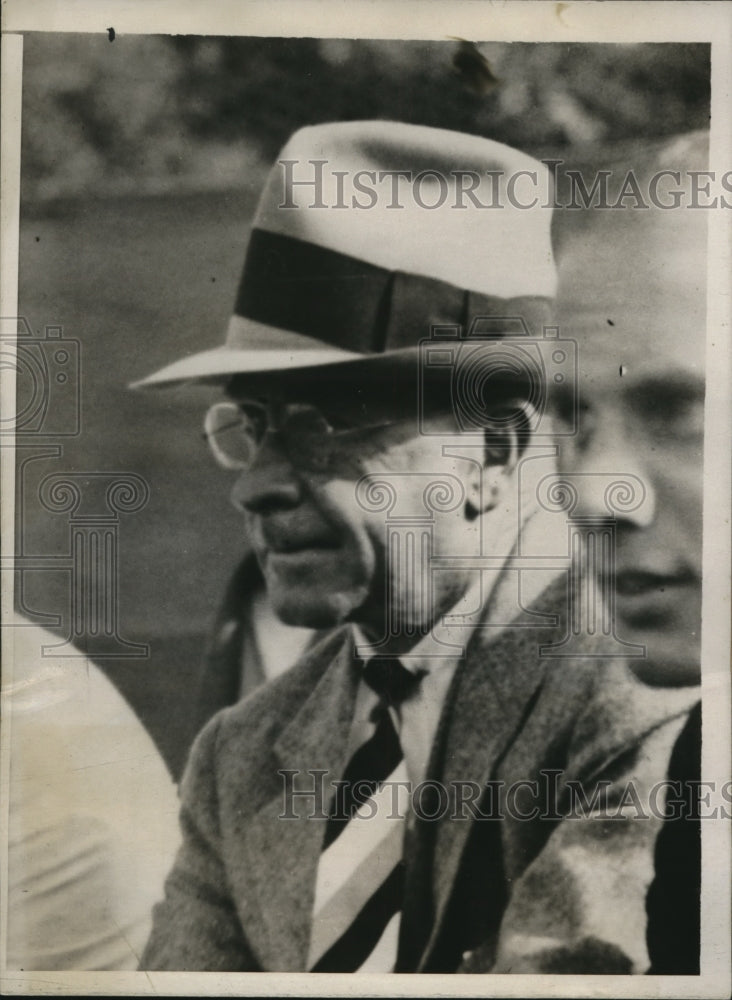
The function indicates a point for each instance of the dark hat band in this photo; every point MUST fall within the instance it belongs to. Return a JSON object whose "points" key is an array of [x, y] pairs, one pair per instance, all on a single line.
{"points": [[334, 298]]}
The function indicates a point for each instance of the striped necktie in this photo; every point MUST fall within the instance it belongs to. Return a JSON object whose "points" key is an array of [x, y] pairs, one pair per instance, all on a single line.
{"points": [[360, 879]]}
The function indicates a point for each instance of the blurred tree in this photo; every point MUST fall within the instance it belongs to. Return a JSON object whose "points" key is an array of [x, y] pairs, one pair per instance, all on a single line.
{"points": [[547, 94], [183, 111], [97, 116]]}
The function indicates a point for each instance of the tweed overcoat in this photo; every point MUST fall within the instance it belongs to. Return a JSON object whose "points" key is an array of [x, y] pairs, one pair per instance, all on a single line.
{"points": [[551, 874]]}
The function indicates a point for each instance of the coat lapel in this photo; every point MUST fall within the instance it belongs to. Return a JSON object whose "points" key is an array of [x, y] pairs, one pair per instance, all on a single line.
{"points": [[281, 855], [493, 693]]}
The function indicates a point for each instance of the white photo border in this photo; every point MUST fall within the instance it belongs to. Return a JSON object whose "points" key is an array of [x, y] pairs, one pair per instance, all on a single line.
{"points": [[530, 21]]}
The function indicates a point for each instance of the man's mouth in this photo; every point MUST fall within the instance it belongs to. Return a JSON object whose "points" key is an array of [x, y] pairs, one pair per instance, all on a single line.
{"points": [[642, 583], [282, 544], [646, 599], [292, 548]]}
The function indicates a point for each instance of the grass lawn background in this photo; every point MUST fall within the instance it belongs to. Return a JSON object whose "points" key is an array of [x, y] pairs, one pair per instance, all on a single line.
{"points": [[139, 282]]}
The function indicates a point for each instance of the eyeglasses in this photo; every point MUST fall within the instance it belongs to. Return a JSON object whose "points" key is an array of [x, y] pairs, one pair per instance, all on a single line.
{"points": [[235, 433]]}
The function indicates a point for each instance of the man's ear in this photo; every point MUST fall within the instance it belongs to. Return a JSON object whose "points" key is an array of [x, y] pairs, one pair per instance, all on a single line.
{"points": [[490, 482]]}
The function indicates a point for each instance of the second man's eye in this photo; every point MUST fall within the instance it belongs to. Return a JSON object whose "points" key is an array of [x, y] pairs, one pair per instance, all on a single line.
{"points": [[674, 409]]}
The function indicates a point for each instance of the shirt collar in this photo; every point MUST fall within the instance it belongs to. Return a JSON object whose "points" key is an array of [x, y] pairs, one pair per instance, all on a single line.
{"points": [[452, 638]]}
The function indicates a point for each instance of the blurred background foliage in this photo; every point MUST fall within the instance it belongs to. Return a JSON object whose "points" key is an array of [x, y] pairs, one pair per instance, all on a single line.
{"points": [[154, 114]]}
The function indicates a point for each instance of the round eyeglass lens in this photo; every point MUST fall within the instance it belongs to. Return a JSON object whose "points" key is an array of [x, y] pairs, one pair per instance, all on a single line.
{"points": [[309, 437], [233, 435]]}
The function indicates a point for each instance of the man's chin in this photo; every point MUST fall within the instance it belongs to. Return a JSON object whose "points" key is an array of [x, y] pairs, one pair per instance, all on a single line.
{"points": [[672, 657], [314, 607], [315, 588]]}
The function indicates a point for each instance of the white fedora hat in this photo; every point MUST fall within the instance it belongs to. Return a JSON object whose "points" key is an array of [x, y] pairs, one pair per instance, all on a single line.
{"points": [[369, 234]]}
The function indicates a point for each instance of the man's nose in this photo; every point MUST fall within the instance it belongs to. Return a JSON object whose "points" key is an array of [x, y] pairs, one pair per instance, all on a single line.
{"points": [[610, 478], [270, 483]]}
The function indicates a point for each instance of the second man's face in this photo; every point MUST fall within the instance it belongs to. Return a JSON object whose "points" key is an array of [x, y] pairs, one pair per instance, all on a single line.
{"points": [[637, 310]]}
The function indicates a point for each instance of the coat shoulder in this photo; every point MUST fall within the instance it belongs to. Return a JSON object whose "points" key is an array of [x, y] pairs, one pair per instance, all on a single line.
{"points": [[258, 718]]}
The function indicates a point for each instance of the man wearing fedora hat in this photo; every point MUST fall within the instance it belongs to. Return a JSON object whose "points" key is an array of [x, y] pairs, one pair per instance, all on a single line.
{"points": [[376, 807]]}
